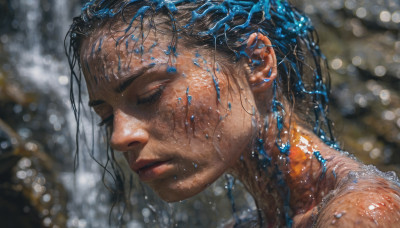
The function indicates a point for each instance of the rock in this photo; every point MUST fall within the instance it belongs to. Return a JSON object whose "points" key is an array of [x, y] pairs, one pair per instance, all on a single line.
{"points": [[30, 194], [360, 40]]}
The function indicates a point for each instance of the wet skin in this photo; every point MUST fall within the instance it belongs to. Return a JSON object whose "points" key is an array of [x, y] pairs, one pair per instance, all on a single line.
{"points": [[177, 147], [179, 137]]}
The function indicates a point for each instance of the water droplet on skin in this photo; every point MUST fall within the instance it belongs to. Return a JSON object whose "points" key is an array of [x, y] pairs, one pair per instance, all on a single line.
{"points": [[338, 215]]}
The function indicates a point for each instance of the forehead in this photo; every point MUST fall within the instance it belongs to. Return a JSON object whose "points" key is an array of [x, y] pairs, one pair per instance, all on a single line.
{"points": [[111, 53], [119, 33], [106, 43]]}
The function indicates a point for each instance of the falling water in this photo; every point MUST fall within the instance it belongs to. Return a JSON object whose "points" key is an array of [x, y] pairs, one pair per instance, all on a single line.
{"points": [[37, 61], [32, 36]]}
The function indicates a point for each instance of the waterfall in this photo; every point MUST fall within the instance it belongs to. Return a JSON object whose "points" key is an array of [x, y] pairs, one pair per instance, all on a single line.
{"points": [[32, 54], [37, 61]]}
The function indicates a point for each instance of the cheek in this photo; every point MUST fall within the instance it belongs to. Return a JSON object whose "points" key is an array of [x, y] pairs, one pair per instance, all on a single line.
{"points": [[188, 113]]}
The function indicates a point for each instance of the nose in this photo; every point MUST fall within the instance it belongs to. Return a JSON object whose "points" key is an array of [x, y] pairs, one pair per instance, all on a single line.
{"points": [[128, 132]]}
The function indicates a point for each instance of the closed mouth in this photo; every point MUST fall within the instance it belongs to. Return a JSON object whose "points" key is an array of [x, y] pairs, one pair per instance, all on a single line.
{"points": [[143, 165], [150, 165], [152, 170]]}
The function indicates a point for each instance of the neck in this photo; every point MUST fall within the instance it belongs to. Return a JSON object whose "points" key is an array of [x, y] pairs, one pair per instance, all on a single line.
{"points": [[286, 183]]}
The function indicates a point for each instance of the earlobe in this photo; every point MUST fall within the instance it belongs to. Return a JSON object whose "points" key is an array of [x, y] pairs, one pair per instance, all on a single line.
{"points": [[261, 69]]}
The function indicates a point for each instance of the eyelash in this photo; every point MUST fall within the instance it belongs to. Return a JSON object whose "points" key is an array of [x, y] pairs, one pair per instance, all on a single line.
{"points": [[106, 121], [146, 100], [152, 97]]}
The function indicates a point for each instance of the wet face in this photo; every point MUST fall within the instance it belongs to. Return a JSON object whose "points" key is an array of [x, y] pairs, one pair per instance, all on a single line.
{"points": [[179, 121]]}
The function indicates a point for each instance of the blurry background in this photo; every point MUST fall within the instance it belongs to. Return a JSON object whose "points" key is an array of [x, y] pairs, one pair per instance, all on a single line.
{"points": [[38, 188]]}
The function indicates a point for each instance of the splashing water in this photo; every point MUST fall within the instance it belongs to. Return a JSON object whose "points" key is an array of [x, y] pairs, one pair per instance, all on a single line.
{"points": [[37, 62]]}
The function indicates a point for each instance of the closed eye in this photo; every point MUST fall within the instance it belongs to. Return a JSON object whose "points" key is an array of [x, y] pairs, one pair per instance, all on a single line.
{"points": [[151, 98], [107, 121]]}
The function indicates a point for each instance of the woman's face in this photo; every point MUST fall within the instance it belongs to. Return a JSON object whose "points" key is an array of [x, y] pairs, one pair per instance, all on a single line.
{"points": [[179, 121]]}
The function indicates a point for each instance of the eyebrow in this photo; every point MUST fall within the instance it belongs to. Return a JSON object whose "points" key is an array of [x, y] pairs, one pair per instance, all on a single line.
{"points": [[125, 84]]}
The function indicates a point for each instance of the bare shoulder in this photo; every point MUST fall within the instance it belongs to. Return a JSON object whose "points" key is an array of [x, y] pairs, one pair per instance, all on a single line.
{"points": [[364, 199]]}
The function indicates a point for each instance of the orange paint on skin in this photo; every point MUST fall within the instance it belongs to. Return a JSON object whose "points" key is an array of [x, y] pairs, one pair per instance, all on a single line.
{"points": [[300, 156], [297, 160], [303, 171]]}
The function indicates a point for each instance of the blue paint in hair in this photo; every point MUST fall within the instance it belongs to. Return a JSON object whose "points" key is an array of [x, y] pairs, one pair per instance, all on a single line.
{"points": [[285, 194], [279, 113], [189, 98], [171, 69], [229, 187], [127, 44], [216, 85], [152, 46], [214, 78], [264, 158], [171, 50], [290, 28], [140, 13], [321, 160], [93, 48], [196, 62], [134, 38], [117, 41], [100, 44]]}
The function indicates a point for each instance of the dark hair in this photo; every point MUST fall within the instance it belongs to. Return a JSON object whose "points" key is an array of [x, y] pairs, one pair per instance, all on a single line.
{"points": [[224, 26]]}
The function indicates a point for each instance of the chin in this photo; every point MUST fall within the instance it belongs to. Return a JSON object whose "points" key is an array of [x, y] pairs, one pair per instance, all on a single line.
{"points": [[172, 198], [184, 187], [172, 195]]}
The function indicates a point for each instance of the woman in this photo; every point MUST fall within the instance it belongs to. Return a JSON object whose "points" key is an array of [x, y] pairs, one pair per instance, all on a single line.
{"points": [[189, 90]]}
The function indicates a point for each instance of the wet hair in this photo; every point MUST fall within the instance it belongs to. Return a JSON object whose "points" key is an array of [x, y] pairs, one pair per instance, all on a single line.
{"points": [[224, 26]]}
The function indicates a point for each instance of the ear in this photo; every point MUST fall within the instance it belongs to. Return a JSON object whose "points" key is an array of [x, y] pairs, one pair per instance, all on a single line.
{"points": [[261, 68]]}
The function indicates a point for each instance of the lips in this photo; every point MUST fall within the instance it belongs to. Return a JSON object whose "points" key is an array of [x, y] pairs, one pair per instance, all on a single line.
{"points": [[150, 169]]}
